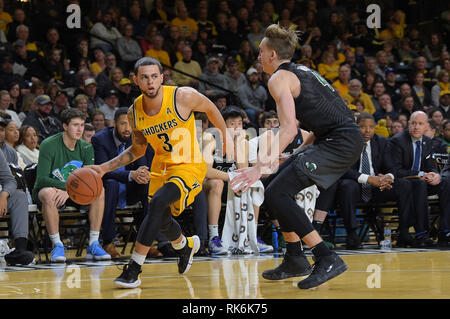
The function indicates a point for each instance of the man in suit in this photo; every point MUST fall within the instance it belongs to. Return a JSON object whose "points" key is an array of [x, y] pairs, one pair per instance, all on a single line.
{"points": [[444, 235], [411, 153], [370, 179], [123, 186]]}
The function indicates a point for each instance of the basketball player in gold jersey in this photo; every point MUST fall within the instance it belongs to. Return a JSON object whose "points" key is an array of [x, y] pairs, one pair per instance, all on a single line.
{"points": [[162, 117]]}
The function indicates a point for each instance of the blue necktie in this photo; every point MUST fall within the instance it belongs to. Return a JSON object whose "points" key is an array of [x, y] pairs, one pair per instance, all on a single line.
{"points": [[122, 201], [417, 154], [366, 189]]}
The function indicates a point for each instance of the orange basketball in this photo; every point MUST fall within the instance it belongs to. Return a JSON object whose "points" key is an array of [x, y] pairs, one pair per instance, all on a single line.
{"points": [[84, 186]]}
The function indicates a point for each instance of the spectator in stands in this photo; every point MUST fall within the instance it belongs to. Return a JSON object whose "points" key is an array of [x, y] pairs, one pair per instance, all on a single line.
{"points": [[396, 127], [88, 132], [386, 108], [137, 21], [255, 35], [111, 106], [158, 15], [90, 89], [157, 51], [370, 179], [378, 91], [23, 33], [446, 134], [235, 77], [434, 48], [411, 156], [16, 97], [14, 202], [252, 95], [11, 133], [444, 106], [212, 76], [5, 102], [205, 25], [6, 72], [28, 146], [129, 49], [5, 17], [59, 155], [188, 66], [232, 38], [81, 102], [390, 84], [220, 101], [104, 78], [329, 67], [126, 95], [355, 92], [41, 118], [438, 146], [370, 64], [420, 93], [407, 106], [405, 91], [188, 27], [217, 173], [80, 53], [441, 85], [104, 34], [420, 65], [436, 115], [123, 186], [60, 103], [52, 37], [245, 56], [146, 42], [99, 63], [98, 120], [341, 84], [405, 52]]}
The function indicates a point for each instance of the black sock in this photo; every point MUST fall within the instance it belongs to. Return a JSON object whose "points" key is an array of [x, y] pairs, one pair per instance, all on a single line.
{"points": [[317, 225], [321, 250], [294, 249], [20, 243]]}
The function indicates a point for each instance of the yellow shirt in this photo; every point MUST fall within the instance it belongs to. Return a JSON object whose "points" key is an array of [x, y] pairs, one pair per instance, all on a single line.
{"points": [[5, 19], [186, 26], [363, 97], [160, 55], [329, 72], [341, 88], [95, 68], [172, 138]]}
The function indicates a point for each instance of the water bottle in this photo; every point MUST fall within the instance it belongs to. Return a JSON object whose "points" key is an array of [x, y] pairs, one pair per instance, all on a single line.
{"points": [[274, 238], [386, 244]]}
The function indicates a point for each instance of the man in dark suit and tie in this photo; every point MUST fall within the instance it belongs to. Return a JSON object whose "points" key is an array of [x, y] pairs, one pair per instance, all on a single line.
{"points": [[126, 185], [444, 235], [369, 179], [411, 153]]}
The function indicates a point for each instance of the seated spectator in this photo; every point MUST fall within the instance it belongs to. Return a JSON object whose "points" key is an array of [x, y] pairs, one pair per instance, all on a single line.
{"points": [[126, 95], [5, 102], [446, 134], [88, 132], [378, 90], [341, 84], [355, 92], [188, 66], [405, 91], [137, 20], [59, 155], [90, 90], [11, 133], [370, 179], [28, 146], [235, 77], [81, 102], [245, 57], [99, 63], [255, 35], [16, 97], [390, 84], [7, 75], [129, 49], [146, 42], [41, 118], [98, 120], [14, 202], [23, 33], [407, 106], [111, 106], [444, 104], [405, 51], [252, 95], [126, 185], [104, 34], [329, 68], [104, 78], [158, 15], [411, 156], [81, 52], [157, 52], [60, 103], [396, 127], [370, 64], [212, 76], [420, 93], [52, 37], [217, 173], [434, 48], [420, 65], [438, 146], [441, 85], [436, 115], [188, 27], [386, 108]]}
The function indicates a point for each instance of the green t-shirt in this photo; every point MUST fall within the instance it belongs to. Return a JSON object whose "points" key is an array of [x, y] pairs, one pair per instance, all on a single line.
{"points": [[56, 162]]}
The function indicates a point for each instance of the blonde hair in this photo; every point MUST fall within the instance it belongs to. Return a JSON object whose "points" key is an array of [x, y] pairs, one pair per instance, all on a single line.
{"points": [[282, 40], [79, 98]]}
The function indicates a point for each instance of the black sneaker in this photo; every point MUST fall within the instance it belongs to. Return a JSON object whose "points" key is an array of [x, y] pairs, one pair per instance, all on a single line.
{"points": [[324, 269], [353, 241], [186, 254], [202, 252], [20, 257], [292, 266], [130, 277], [444, 240]]}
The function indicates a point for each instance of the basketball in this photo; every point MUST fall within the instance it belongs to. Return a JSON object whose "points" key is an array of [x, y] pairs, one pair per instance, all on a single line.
{"points": [[84, 186]]}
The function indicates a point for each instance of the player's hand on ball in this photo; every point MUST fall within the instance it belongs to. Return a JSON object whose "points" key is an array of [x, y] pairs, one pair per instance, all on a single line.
{"points": [[97, 168]]}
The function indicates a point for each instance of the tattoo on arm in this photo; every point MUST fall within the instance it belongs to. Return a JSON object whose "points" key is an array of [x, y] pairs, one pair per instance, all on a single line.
{"points": [[122, 160]]}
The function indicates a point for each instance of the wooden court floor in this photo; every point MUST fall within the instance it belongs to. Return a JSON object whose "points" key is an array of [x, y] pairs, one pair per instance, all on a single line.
{"points": [[404, 274]]}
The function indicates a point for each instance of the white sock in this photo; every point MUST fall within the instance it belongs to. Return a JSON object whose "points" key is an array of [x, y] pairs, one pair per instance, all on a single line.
{"points": [[213, 231], [139, 259], [93, 236], [55, 239], [180, 245]]}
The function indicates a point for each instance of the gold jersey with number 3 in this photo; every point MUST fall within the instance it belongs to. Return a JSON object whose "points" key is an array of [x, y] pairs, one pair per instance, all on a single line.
{"points": [[177, 156]]}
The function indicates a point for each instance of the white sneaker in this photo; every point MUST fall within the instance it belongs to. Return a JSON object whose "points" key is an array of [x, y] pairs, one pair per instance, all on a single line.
{"points": [[4, 248], [215, 247], [263, 247]]}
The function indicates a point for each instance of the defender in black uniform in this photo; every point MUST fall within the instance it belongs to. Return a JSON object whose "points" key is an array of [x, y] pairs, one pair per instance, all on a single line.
{"points": [[331, 148]]}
